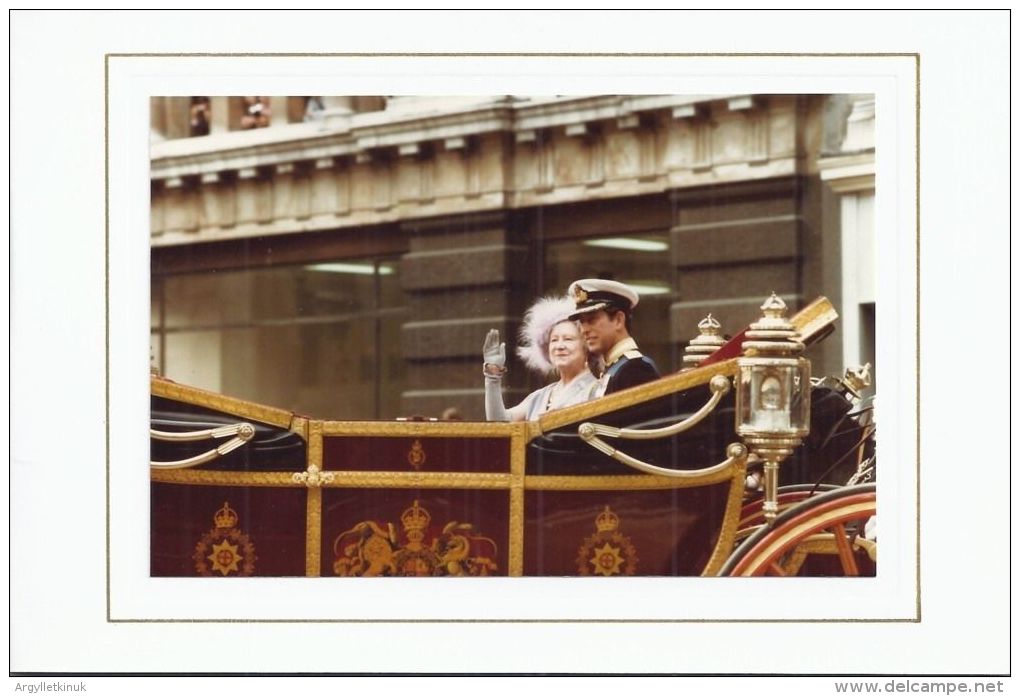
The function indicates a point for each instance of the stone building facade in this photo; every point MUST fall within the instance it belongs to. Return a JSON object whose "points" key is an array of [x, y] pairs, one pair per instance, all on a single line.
{"points": [[347, 259]]}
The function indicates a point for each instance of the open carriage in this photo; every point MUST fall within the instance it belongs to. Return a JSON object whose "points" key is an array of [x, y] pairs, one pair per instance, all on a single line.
{"points": [[740, 465]]}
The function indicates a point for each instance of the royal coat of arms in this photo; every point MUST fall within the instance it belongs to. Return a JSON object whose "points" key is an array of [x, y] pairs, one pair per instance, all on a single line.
{"points": [[368, 549]]}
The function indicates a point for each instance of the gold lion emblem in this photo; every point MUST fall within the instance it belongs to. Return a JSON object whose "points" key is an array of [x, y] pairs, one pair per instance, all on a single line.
{"points": [[369, 550]]}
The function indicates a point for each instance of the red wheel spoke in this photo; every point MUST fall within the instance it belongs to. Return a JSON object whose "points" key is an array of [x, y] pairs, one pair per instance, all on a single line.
{"points": [[846, 554]]}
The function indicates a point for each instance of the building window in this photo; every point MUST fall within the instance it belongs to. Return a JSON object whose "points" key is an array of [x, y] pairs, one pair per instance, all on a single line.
{"points": [[314, 109], [257, 113], [641, 261], [321, 339], [200, 116]]}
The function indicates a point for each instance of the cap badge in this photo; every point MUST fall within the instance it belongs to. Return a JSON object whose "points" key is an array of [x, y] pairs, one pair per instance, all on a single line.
{"points": [[580, 295]]}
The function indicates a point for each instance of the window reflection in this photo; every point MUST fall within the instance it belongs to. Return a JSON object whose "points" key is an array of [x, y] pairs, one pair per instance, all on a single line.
{"points": [[320, 339]]}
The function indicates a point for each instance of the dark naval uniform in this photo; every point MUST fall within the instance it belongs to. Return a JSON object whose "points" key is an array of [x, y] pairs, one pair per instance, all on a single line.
{"points": [[626, 367]]}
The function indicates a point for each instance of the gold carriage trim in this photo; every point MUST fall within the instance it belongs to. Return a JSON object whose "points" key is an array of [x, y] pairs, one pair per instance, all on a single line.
{"points": [[409, 479], [627, 482], [421, 429], [313, 504], [217, 402], [225, 478], [700, 376], [402, 479], [812, 320], [313, 532]]}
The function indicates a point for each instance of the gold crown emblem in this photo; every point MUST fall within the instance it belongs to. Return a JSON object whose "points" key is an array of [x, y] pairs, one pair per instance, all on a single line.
{"points": [[580, 295], [416, 455], [225, 517], [415, 518], [607, 521]]}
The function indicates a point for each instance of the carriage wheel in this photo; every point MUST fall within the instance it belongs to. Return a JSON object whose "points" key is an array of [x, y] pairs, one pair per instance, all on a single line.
{"points": [[830, 524], [752, 517]]}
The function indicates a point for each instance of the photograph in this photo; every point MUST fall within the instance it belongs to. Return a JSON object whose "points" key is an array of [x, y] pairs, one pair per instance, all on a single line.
{"points": [[390, 334]]}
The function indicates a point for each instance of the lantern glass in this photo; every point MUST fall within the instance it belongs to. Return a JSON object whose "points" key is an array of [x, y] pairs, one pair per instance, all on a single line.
{"points": [[773, 396]]}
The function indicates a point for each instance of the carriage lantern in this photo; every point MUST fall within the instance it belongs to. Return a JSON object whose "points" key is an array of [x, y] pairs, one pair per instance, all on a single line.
{"points": [[773, 394]]}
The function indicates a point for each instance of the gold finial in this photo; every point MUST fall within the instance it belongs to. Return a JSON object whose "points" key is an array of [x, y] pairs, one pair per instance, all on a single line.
{"points": [[705, 343], [772, 333]]}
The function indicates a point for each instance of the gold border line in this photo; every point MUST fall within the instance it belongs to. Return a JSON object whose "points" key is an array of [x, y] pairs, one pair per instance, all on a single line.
{"points": [[510, 54], [106, 303], [917, 332]]}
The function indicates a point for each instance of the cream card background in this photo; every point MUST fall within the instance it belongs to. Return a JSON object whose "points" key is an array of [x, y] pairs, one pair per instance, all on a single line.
{"points": [[63, 599]]}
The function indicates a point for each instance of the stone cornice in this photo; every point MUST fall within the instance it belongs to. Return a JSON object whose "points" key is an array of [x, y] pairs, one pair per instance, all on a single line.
{"points": [[348, 134], [422, 162], [849, 173]]}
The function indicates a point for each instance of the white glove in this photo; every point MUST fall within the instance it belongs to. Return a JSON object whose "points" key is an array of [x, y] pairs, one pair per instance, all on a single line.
{"points": [[493, 355], [494, 367]]}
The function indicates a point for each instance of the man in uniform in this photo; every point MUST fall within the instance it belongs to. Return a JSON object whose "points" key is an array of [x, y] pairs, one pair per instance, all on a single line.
{"points": [[604, 309]]}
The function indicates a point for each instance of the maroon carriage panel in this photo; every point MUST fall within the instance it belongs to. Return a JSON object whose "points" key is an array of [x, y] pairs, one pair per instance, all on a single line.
{"points": [[227, 531]]}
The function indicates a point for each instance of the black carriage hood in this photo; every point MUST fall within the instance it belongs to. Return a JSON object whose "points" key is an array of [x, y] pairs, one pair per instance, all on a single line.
{"points": [[273, 448]]}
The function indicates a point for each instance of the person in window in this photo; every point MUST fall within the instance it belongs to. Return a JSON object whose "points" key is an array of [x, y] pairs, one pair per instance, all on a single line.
{"points": [[451, 413], [199, 116], [314, 108], [256, 112], [604, 309], [550, 343]]}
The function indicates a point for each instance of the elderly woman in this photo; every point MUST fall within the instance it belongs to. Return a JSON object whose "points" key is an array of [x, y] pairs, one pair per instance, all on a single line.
{"points": [[550, 343]]}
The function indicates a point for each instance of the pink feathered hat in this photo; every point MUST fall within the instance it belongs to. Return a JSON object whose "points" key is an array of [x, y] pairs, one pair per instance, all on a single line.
{"points": [[539, 321]]}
